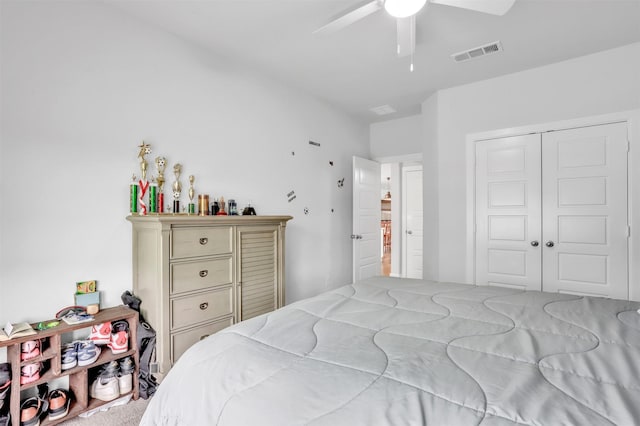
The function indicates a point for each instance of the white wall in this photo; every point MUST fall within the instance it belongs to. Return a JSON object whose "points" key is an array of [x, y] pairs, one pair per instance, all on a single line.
{"points": [[601, 83], [430, 199], [396, 137], [82, 85]]}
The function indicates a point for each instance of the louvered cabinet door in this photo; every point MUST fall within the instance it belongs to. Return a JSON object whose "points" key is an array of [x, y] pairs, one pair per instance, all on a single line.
{"points": [[259, 270]]}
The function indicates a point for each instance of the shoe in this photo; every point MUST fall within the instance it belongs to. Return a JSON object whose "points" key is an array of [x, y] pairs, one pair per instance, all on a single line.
{"points": [[5, 418], [30, 373], [119, 342], [5, 385], [88, 353], [69, 357], [31, 411], [101, 333], [105, 388], [125, 376], [29, 349], [110, 369], [59, 401]]}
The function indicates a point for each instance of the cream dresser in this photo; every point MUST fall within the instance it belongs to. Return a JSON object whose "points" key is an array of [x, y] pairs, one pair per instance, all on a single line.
{"points": [[197, 275]]}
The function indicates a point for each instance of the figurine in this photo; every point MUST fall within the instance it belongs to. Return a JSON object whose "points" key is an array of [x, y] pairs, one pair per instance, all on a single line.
{"points": [[145, 149]]}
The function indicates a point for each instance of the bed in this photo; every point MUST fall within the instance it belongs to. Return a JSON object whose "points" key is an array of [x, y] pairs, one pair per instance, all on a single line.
{"points": [[391, 351]]}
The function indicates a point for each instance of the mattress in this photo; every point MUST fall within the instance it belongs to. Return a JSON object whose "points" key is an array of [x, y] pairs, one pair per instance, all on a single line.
{"points": [[390, 351]]}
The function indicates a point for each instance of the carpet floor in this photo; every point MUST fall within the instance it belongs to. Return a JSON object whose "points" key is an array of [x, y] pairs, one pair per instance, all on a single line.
{"points": [[128, 414]]}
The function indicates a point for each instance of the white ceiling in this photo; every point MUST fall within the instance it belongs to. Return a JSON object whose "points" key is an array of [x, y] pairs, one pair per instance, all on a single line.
{"points": [[356, 68]]}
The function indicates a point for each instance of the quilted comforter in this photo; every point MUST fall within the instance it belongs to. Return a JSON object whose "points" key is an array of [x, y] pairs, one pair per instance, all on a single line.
{"points": [[388, 351]]}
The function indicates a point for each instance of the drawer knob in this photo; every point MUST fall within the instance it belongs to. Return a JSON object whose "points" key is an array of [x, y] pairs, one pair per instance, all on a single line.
{"points": [[204, 337], [204, 273], [204, 240], [204, 306]]}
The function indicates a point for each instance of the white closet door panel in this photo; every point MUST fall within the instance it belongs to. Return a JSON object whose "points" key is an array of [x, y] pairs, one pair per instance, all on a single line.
{"points": [[585, 210], [508, 212]]}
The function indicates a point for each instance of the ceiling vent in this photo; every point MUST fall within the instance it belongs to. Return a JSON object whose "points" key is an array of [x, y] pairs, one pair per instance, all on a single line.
{"points": [[477, 52], [383, 110]]}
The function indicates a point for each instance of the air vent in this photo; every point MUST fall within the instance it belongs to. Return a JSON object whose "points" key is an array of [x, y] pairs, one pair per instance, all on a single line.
{"points": [[477, 52], [383, 110]]}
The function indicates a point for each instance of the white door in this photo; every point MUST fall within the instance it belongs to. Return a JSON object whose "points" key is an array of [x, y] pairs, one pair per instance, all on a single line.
{"points": [[508, 214], [585, 211], [366, 219], [412, 223], [551, 211]]}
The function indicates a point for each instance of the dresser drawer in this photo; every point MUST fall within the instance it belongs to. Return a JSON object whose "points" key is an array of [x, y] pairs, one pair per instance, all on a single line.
{"points": [[186, 311], [189, 276], [200, 241], [182, 341]]}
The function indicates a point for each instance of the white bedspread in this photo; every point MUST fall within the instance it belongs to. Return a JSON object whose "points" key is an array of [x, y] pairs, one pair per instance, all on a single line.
{"points": [[389, 351]]}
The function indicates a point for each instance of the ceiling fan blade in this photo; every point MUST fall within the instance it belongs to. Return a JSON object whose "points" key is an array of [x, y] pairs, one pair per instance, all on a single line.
{"points": [[406, 36], [493, 7], [350, 16]]}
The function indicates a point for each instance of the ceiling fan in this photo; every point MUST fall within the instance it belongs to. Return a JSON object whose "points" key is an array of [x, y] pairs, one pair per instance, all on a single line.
{"points": [[405, 13]]}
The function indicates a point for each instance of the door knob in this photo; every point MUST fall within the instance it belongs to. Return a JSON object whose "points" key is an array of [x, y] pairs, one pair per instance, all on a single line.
{"points": [[549, 244], [535, 243], [410, 232]]}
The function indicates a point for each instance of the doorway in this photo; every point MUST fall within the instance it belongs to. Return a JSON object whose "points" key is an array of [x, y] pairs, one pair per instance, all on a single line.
{"points": [[401, 218]]}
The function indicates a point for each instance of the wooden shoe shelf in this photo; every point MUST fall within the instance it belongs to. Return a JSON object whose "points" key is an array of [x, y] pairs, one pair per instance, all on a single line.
{"points": [[51, 341]]}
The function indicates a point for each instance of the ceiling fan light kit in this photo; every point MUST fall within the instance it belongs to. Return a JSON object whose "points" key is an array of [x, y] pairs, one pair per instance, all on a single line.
{"points": [[403, 8], [405, 13]]}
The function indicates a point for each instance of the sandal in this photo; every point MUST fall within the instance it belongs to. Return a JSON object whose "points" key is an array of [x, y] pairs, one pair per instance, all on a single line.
{"points": [[59, 401], [30, 373], [29, 349], [30, 411]]}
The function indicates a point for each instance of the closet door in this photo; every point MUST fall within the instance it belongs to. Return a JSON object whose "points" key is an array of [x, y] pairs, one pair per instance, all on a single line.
{"points": [[585, 211], [508, 212]]}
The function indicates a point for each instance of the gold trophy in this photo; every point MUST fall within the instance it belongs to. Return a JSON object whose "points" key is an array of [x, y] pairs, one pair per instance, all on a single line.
{"points": [[161, 162], [177, 188], [192, 193], [145, 149]]}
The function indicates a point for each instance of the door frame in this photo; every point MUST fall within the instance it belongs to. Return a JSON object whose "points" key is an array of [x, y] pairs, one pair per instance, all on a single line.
{"points": [[397, 218], [631, 117]]}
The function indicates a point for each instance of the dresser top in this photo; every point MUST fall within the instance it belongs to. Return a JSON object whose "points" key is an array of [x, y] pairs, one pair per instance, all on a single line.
{"points": [[192, 219]]}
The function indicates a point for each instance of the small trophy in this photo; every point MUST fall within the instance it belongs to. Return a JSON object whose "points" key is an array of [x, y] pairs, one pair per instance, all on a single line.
{"points": [[221, 212], [133, 195], [192, 193], [177, 187]]}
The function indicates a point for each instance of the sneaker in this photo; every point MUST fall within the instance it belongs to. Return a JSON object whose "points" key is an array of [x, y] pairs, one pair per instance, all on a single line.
{"points": [[5, 384], [30, 373], [88, 353], [69, 357], [119, 342], [59, 401], [110, 369], [101, 333], [105, 388], [29, 349], [125, 376]]}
